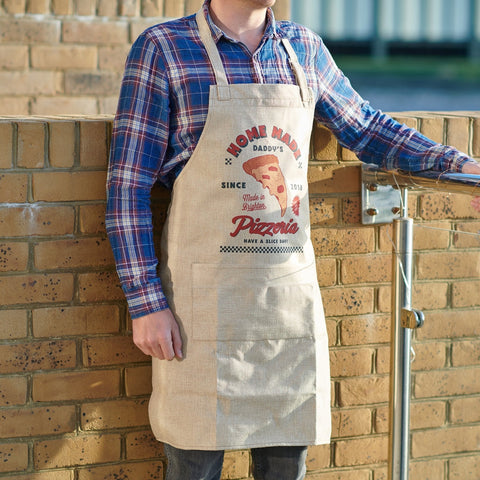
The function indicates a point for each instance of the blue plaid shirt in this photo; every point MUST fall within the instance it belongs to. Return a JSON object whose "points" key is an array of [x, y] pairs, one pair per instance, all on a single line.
{"points": [[162, 110]]}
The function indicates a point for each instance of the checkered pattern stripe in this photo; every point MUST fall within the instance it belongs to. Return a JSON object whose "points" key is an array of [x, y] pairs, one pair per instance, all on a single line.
{"points": [[262, 249]]}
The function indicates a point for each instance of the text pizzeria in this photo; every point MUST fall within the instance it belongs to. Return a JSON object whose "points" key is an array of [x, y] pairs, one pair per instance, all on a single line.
{"points": [[256, 133]]}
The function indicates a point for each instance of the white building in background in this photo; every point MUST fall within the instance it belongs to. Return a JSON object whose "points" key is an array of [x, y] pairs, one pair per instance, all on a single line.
{"points": [[382, 23]]}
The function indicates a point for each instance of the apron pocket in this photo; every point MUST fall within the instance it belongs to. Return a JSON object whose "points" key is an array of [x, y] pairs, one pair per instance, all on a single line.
{"points": [[232, 303]]}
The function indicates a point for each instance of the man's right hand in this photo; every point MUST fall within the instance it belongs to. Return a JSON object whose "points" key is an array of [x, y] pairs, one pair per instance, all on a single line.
{"points": [[158, 335]]}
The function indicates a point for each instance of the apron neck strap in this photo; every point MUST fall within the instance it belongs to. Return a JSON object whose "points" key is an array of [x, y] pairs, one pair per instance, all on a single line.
{"points": [[219, 70]]}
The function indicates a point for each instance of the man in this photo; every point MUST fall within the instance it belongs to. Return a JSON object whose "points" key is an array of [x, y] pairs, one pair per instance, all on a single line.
{"points": [[219, 106]]}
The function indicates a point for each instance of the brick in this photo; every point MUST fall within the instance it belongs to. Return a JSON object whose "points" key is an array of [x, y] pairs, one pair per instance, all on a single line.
{"points": [[445, 441], [351, 423], [365, 330], [71, 254], [366, 269], [363, 391], [6, 145], [464, 468], [107, 8], [112, 57], [38, 7], [86, 7], [343, 241], [432, 127], [13, 257], [13, 57], [63, 57], [347, 155], [362, 451], [14, 324], [476, 138], [347, 301], [429, 356], [62, 7], [431, 236], [352, 210], [465, 353], [29, 422], [129, 8], [152, 8], [137, 26], [463, 381], [410, 122], [69, 186], [138, 380], [384, 299], [108, 104], [143, 445], [13, 187], [14, 105], [31, 145], [465, 294], [174, 9], [235, 465], [25, 31], [46, 475], [428, 415], [33, 219], [78, 320], [92, 219], [13, 391], [382, 364], [465, 410], [462, 237], [61, 144], [326, 271], [76, 385], [333, 179], [78, 450], [13, 457], [447, 265], [97, 287], [93, 144], [14, 6], [27, 357], [111, 351], [35, 288], [64, 105], [318, 457], [450, 324], [342, 475], [114, 414], [92, 83], [83, 32], [351, 362], [428, 470], [439, 206], [457, 133], [323, 211], [429, 296], [324, 146], [125, 471]]}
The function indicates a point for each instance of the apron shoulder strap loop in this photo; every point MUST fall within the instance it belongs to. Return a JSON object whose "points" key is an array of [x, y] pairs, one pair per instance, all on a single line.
{"points": [[213, 55], [298, 71]]}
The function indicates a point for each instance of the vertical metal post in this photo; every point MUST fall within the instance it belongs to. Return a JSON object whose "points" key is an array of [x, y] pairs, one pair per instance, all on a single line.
{"points": [[400, 368]]}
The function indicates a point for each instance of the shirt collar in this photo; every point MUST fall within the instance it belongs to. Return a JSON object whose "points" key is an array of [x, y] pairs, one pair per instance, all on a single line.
{"points": [[217, 32]]}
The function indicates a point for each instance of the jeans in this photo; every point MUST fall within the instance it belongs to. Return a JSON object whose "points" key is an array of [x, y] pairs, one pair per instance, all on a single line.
{"points": [[269, 463]]}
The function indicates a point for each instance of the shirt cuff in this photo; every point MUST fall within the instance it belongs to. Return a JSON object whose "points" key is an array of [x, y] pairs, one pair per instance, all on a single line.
{"points": [[146, 299]]}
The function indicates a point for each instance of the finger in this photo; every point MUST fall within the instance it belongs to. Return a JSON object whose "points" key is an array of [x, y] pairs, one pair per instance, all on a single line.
{"points": [[166, 346], [177, 342]]}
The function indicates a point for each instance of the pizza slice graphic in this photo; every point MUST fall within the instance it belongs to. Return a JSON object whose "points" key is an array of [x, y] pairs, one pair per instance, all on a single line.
{"points": [[266, 170]]}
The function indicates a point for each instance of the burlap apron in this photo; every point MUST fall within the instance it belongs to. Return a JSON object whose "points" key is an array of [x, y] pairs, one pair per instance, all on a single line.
{"points": [[238, 269]]}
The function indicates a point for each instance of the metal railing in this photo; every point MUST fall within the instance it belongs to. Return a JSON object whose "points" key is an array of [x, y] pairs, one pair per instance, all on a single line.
{"points": [[386, 185]]}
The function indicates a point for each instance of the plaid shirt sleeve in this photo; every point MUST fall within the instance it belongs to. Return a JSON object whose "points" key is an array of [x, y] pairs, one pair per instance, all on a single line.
{"points": [[371, 134], [138, 146]]}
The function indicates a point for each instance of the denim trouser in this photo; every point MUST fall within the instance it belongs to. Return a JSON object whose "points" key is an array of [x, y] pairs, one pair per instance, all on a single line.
{"points": [[269, 463]]}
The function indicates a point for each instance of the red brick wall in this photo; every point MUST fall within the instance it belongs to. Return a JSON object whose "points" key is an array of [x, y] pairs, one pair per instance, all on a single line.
{"points": [[74, 389]]}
